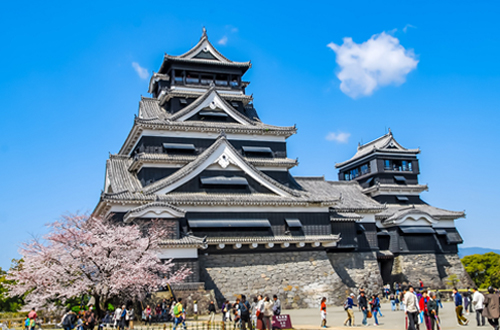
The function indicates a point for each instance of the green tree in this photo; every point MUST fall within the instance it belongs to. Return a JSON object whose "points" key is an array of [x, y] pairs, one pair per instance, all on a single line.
{"points": [[484, 269], [7, 303]]}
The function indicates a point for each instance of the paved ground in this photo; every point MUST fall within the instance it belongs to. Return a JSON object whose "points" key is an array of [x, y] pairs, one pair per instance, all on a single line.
{"points": [[310, 319]]}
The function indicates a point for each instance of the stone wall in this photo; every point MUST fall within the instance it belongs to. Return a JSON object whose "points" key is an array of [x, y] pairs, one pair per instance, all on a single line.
{"points": [[357, 270], [299, 278], [433, 269]]}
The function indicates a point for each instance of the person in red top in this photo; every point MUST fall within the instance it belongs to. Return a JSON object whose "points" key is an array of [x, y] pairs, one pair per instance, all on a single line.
{"points": [[323, 312], [421, 284], [32, 314], [422, 304]]}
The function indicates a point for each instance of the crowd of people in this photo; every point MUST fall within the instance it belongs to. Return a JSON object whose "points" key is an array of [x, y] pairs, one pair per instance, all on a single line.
{"points": [[421, 307]]}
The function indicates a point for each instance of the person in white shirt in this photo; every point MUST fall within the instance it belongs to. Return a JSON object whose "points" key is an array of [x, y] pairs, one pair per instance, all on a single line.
{"points": [[411, 310], [117, 317], [478, 302]]}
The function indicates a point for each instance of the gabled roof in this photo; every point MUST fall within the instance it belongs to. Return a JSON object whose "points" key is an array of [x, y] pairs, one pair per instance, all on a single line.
{"points": [[213, 100], [385, 143], [152, 116], [156, 209], [350, 194], [393, 213], [223, 153], [205, 53]]}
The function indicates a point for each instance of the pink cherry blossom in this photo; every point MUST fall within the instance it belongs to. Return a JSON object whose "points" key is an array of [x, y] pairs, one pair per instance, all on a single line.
{"points": [[88, 255]]}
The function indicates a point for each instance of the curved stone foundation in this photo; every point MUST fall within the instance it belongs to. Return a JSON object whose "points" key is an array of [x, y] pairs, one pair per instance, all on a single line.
{"points": [[433, 269]]}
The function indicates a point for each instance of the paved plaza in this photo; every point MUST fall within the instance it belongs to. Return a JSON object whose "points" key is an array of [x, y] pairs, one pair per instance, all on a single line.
{"points": [[310, 319]]}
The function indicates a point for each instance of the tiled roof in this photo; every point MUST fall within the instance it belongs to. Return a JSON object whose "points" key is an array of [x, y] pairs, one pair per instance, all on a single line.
{"points": [[385, 143], [194, 94], [344, 216], [160, 184], [133, 213], [203, 45], [118, 176], [275, 239], [350, 194], [151, 114], [201, 99], [397, 212], [131, 190], [148, 158], [183, 242]]}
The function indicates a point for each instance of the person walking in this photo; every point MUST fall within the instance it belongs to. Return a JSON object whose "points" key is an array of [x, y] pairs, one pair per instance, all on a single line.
{"points": [[459, 307], [277, 305], [259, 312], [432, 309], [491, 309], [478, 302], [147, 315], [401, 299], [211, 312], [466, 301], [124, 318], [253, 311], [363, 305], [226, 311], [116, 317], [179, 314], [410, 302], [375, 306], [438, 299], [237, 314], [245, 313], [422, 304], [392, 299], [348, 308], [322, 310], [268, 313]]}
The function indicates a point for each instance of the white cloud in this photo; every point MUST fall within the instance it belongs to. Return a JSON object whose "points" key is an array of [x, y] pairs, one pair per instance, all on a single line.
{"points": [[340, 137], [222, 41], [408, 26], [141, 72], [378, 62]]}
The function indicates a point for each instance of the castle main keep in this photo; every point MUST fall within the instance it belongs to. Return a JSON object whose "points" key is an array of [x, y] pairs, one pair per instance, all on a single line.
{"points": [[199, 159]]}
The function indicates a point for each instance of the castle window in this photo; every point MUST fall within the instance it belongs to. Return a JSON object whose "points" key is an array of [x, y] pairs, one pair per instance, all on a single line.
{"points": [[358, 171], [192, 78], [293, 223], [179, 147], [183, 101], [402, 198], [398, 165], [224, 181], [399, 179], [257, 151], [217, 114]]}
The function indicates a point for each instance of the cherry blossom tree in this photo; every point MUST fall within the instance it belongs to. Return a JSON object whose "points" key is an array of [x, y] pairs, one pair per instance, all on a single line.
{"points": [[88, 255]]}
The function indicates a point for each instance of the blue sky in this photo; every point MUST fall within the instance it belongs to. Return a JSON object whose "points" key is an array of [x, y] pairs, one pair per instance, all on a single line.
{"points": [[69, 93]]}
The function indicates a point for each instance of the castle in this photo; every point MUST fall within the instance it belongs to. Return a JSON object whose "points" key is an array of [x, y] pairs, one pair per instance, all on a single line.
{"points": [[199, 159]]}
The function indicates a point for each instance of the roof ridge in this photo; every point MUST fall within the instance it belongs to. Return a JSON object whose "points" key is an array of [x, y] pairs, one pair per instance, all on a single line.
{"points": [[187, 169], [201, 99], [362, 146], [312, 177]]}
